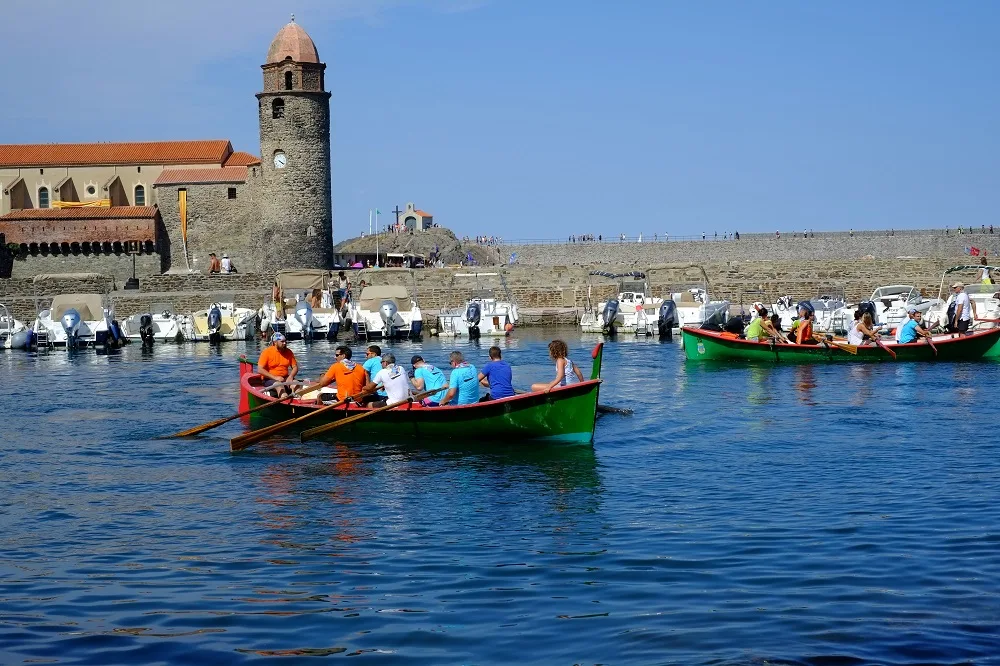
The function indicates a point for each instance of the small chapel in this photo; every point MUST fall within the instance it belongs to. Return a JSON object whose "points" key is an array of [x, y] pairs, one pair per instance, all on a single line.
{"points": [[87, 207]]}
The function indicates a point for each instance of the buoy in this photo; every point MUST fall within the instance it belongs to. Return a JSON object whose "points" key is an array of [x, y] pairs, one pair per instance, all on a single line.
{"points": [[508, 327]]}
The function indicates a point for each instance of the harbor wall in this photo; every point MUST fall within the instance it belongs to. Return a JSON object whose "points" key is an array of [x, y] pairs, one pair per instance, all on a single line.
{"points": [[548, 291]]}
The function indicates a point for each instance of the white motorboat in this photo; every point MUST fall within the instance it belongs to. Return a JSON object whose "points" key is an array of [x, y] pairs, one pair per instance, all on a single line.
{"points": [[483, 314], [159, 324], [634, 310], [13, 333], [303, 316], [827, 307], [76, 320], [985, 298], [695, 308], [222, 321], [891, 305], [386, 311]]}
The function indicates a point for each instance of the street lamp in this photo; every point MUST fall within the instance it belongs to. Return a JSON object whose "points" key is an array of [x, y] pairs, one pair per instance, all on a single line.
{"points": [[132, 247]]}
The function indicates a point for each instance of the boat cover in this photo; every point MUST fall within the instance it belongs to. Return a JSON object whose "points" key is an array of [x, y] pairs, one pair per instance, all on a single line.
{"points": [[303, 279], [372, 297], [88, 305]]}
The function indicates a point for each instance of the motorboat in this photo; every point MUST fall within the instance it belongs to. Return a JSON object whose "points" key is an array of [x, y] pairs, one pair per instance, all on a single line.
{"points": [[13, 333], [695, 307], [387, 311], [159, 324], [985, 298], [827, 305], [891, 304], [483, 314], [76, 320], [634, 310], [222, 321], [308, 312]]}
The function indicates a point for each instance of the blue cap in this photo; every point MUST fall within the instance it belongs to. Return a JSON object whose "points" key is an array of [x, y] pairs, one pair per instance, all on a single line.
{"points": [[276, 337]]}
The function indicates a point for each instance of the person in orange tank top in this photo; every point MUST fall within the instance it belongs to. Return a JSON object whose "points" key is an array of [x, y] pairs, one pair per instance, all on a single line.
{"points": [[351, 378], [277, 365], [804, 331]]}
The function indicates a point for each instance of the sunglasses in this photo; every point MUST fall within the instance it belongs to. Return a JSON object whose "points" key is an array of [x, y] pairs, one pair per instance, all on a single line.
{"points": [[339, 354]]}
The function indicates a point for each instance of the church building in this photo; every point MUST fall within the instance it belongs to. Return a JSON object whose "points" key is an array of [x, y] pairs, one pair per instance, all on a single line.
{"points": [[83, 207]]}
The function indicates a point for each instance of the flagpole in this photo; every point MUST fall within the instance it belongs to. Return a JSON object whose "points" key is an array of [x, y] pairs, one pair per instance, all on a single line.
{"points": [[376, 237], [369, 221]]}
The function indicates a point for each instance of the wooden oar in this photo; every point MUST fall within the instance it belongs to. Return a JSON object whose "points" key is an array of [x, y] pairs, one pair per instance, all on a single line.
{"points": [[878, 343], [326, 427], [243, 441], [850, 349], [214, 424]]}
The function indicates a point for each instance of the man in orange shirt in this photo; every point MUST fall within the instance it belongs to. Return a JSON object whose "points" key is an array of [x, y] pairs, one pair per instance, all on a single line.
{"points": [[350, 377], [277, 364]]}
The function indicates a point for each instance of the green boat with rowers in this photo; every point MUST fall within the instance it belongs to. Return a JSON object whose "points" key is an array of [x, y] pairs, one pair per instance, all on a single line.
{"points": [[704, 345], [564, 414]]}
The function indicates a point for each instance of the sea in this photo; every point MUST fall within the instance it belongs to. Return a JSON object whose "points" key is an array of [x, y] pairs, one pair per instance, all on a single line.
{"points": [[817, 514]]}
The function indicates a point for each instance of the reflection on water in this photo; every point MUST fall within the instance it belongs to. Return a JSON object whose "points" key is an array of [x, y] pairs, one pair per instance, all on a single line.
{"points": [[746, 513]]}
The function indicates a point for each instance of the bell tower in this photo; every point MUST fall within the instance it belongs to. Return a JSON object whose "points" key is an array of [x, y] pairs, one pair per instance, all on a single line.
{"points": [[296, 202]]}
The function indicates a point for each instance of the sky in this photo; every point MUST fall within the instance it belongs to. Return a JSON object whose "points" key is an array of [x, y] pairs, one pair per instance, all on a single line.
{"points": [[535, 119]]}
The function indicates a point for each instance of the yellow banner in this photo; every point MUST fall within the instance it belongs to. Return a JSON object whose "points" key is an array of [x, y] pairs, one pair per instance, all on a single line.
{"points": [[97, 203], [182, 203]]}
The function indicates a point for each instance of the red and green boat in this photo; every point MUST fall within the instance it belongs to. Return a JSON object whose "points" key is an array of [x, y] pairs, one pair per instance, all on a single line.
{"points": [[702, 345], [564, 414]]}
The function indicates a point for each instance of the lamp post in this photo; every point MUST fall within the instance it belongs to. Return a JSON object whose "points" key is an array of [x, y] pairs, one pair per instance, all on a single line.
{"points": [[132, 247]]}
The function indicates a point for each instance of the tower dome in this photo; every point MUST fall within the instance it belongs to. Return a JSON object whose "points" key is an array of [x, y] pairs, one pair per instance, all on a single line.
{"points": [[292, 43]]}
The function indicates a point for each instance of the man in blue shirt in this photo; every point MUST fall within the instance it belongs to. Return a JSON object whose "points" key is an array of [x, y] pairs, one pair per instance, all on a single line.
{"points": [[463, 385], [911, 330], [427, 378], [498, 376], [372, 365]]}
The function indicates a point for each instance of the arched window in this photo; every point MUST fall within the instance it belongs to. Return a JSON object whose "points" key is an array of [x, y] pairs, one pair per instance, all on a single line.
{"points": [[288, 80], [140, 195], [278, 108], [43, 197]]}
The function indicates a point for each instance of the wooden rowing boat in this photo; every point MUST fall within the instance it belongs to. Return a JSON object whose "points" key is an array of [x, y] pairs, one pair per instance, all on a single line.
{"points": [[564, 414], [701, 345]]}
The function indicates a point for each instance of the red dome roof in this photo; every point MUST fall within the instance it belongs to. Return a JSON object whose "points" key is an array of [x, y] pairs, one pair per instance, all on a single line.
{"points": [[292, 43]]}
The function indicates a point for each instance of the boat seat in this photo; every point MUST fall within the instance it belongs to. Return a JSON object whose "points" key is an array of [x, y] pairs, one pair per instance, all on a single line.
{"points": [[687, 297]]}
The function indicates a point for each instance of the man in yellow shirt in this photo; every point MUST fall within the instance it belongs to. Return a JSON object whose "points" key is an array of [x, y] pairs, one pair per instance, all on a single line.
{"points": [[277, 365]]}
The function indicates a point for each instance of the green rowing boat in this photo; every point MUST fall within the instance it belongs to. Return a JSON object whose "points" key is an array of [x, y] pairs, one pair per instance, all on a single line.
{"points": [[701, 345], [564, 414]]}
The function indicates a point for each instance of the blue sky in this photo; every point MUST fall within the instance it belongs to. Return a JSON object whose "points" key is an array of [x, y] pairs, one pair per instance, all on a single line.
{"points": [[537, 119]]}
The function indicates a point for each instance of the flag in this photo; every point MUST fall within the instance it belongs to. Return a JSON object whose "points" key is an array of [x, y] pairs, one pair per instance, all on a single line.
{"points": [[378, 212], [974, 251]]}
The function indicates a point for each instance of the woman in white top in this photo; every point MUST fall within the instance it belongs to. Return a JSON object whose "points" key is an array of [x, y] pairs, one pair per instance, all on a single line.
{"points": [[566, 372], [862, 329], [984, 273]]}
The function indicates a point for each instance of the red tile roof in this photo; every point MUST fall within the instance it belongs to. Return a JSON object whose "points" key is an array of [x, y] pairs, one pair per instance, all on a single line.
{"points": [[240, 158], [292, 43], [83, 213], [423, 213], [229, 174], [78, 225], [152, 152]]}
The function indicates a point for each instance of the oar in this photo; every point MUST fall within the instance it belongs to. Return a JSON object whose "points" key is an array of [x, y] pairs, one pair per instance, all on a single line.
{"points": [[878, 343], [312, 432], [243, 441], [214, 424], [850, 349]]}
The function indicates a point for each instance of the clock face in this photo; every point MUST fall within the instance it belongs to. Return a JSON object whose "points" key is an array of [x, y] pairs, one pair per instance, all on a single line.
{"points": [[280, 160]]}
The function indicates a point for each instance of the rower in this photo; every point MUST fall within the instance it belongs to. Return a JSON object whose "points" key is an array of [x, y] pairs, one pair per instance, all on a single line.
{"points": [[463, 386], [350, 376], [497, 376], [566, 372], [392, 378], [761, 329], [804, 330], [426, 377], [277, 365], [911, 330], [863, 329], [373, 365]]}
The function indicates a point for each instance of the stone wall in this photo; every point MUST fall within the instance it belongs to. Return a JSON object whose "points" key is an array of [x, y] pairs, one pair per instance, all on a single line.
{"points": [[118, 266], [824, 246], [215, 223]]}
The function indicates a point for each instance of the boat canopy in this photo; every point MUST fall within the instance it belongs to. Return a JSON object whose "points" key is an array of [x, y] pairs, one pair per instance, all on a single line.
{"points": [[638, 275], [302, 279], [372, 297], [89, 306]]}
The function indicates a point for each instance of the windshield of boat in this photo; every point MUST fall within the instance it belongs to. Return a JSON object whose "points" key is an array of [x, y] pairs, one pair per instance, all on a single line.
{"points": [[903, 291]]}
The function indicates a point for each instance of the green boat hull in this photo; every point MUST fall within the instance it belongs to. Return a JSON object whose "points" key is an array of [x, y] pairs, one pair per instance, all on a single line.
{"points": [[702, 345]]}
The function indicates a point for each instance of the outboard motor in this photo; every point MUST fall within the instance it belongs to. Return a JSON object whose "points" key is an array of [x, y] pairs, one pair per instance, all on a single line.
{"points": [[71, 324], [146, 330], [869, 307], [666, 319], [304, 315], [388, 312], [473, 315], [609, 315], [215, 324]]}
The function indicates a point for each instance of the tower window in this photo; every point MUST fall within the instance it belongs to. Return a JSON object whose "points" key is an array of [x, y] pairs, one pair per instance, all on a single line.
{"points": [[232, 192], [43, 197], [140, 195], [288, 80], [278, 108]]}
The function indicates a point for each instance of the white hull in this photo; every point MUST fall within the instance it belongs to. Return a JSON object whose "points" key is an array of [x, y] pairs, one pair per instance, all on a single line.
{"points": [[57, 336], [403, 325], [313, 325], [495, 317], [165, 329], [9, 327], [237, 324]]}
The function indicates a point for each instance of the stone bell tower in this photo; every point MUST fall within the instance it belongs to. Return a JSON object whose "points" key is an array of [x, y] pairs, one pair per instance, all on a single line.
{"points": [[296, 203]]}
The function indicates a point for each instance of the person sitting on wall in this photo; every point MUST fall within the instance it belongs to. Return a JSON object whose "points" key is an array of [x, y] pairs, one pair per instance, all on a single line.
{"points": [[213, 263], [227, 265]]}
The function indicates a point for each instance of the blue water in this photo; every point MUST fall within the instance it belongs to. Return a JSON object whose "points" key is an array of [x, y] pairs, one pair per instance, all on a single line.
{"points": [[807, 515]]}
